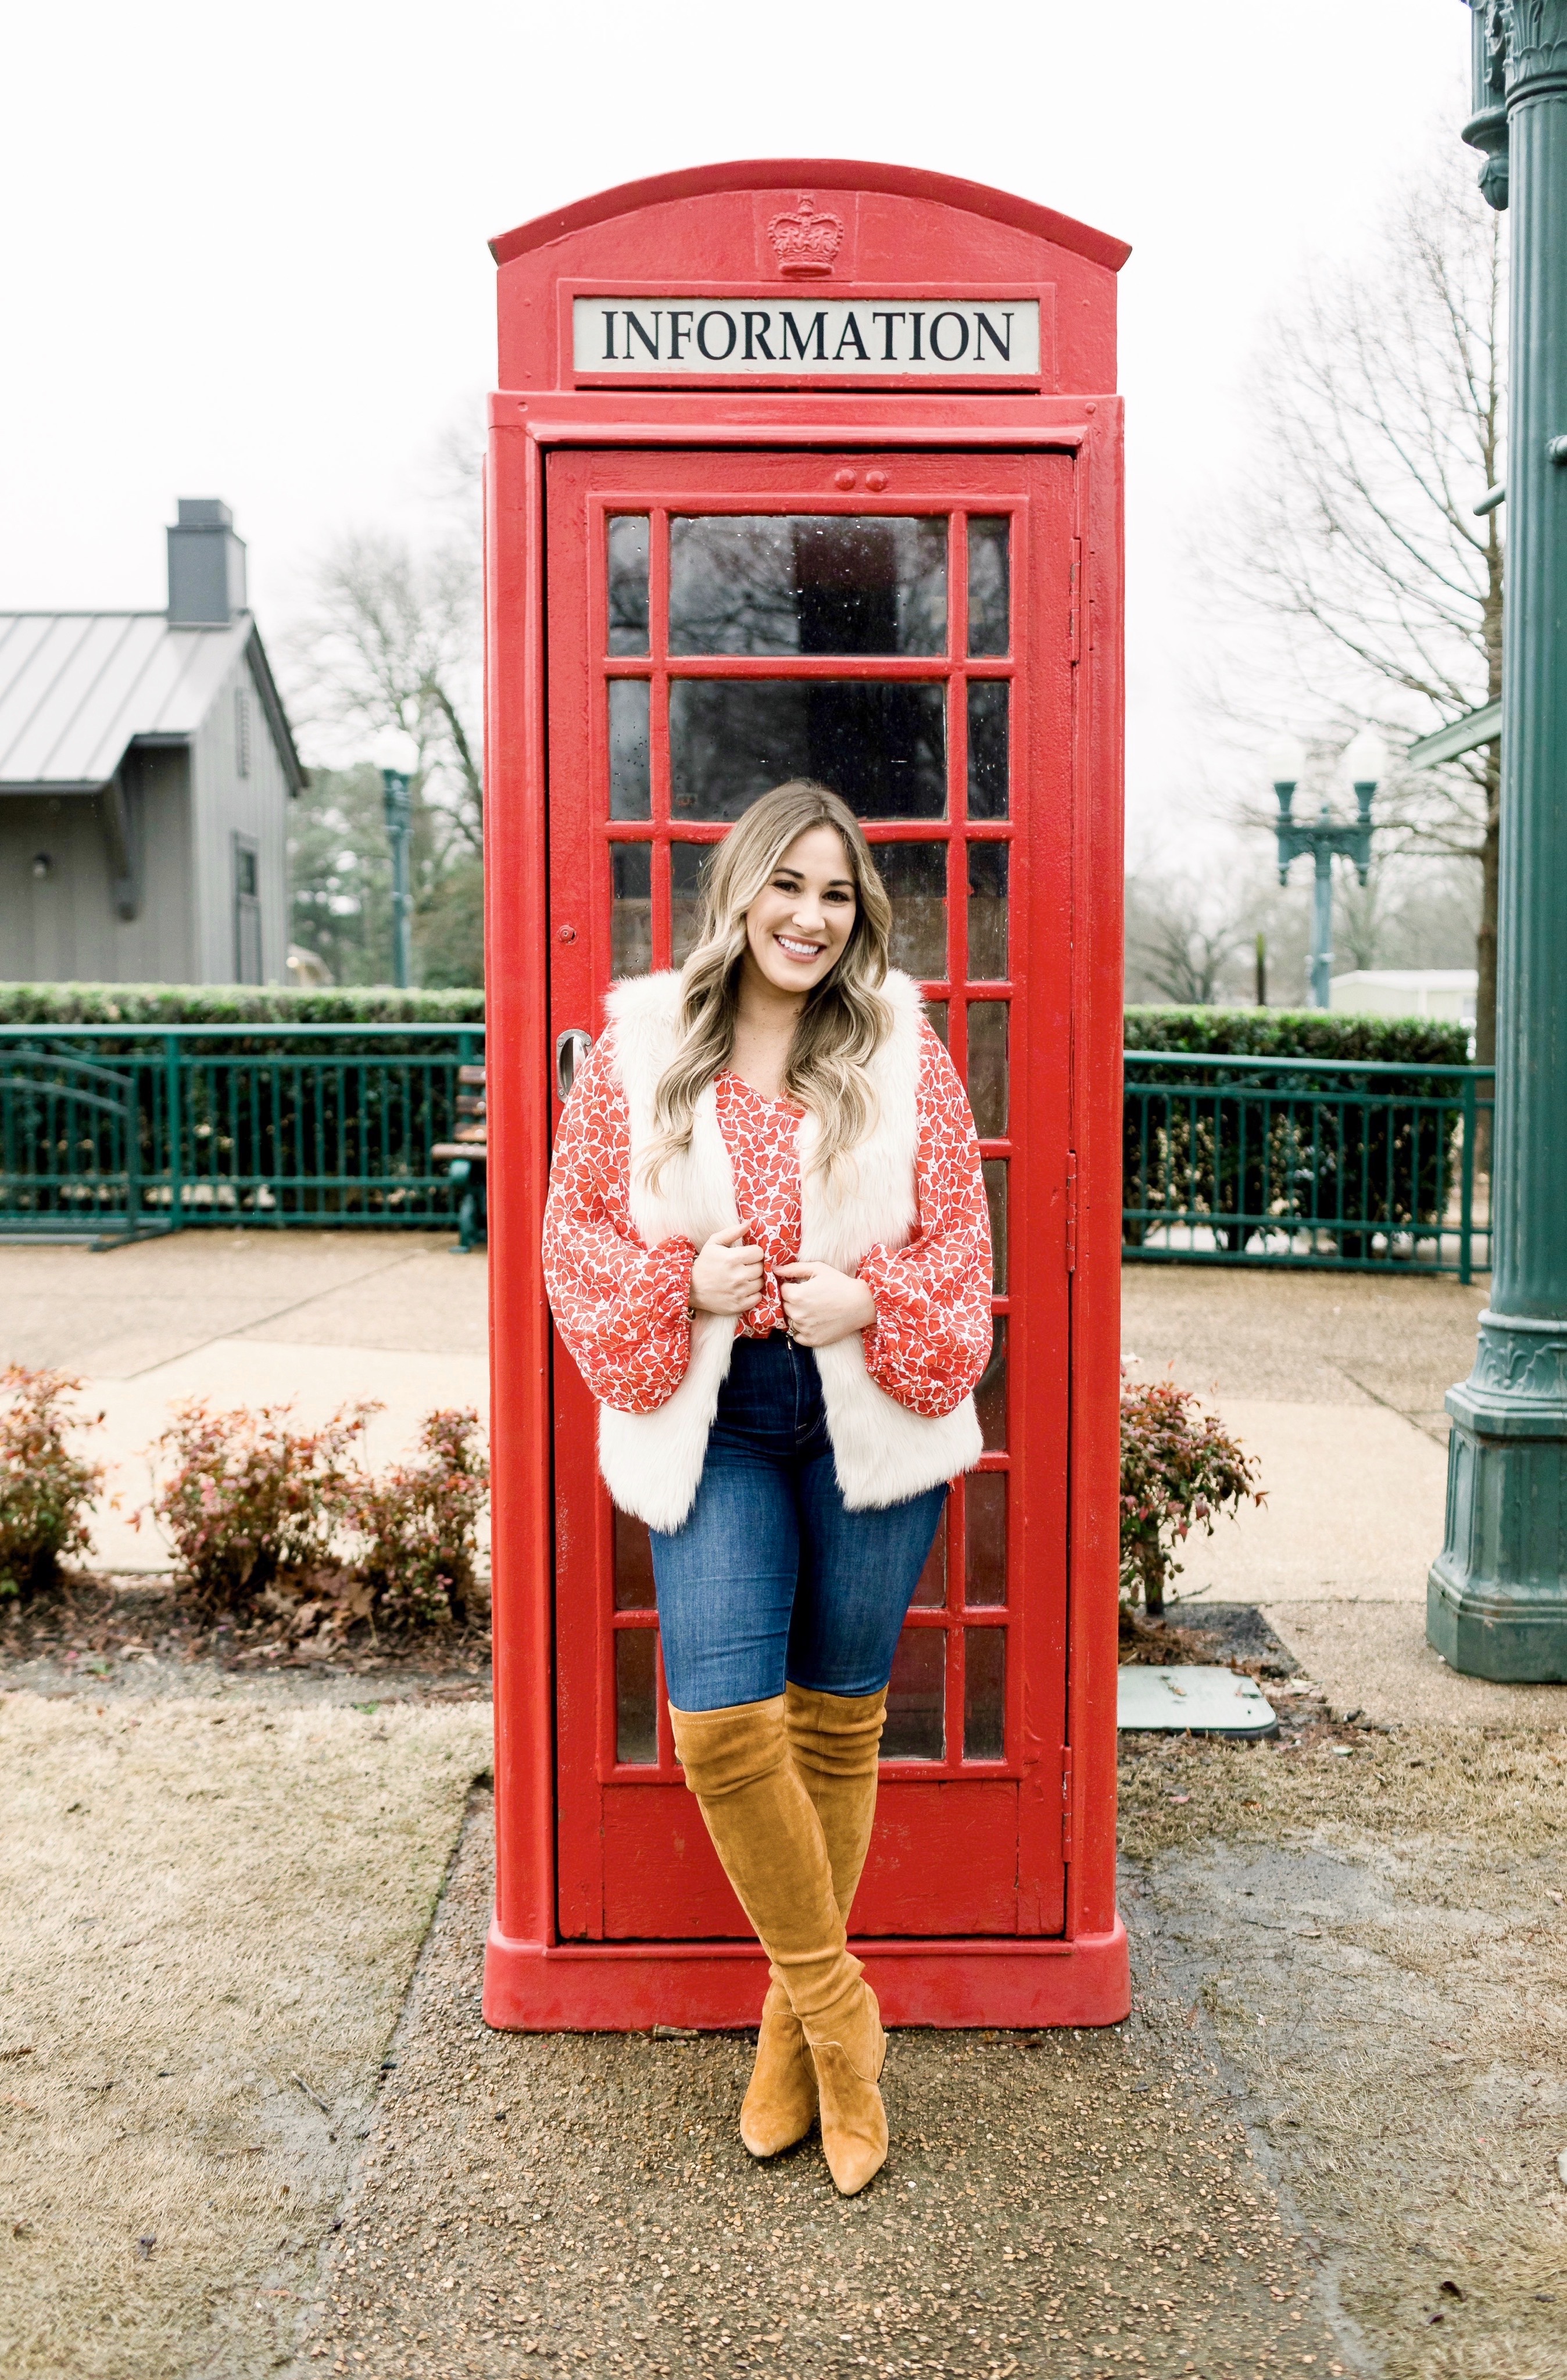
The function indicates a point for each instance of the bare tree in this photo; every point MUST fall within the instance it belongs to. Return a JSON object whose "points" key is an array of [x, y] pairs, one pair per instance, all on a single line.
{"points": [[389, 644], [1181, 936], [1382, 399], [391, 640]]}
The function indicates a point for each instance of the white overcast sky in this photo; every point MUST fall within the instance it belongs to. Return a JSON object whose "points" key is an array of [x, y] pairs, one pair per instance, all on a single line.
{"points": [[244, 252]]}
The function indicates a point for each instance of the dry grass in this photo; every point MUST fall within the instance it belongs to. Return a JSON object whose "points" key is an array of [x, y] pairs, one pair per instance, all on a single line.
{"points": [[1474, 1785], [199, 1903]]}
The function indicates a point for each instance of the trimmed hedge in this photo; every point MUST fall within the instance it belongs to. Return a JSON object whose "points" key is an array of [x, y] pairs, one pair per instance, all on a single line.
{"points": [[1250, 1149], [1297, 1033], [159, 1004], [1239, 1032]]}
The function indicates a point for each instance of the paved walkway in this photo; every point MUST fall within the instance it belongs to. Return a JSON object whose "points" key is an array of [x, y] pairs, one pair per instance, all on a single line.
{"points": [[319, 1318], [1335, 1382]]}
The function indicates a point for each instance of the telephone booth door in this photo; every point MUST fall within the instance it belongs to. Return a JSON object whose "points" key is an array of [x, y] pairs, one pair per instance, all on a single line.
{"points": [[900, 627]]}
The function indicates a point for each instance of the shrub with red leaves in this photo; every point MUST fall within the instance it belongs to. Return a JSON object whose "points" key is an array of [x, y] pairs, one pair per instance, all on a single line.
{"points": [[45, 1491], [1179, 1466], [420, 1522], [250, 1500]]}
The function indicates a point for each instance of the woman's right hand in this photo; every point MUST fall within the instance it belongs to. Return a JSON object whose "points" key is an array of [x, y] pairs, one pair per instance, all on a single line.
{"points": [[726, 1276]]}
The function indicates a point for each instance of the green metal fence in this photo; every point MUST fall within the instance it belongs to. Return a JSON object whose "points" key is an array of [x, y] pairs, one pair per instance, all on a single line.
{"points": [[1355, 1164], [107, 1133]]}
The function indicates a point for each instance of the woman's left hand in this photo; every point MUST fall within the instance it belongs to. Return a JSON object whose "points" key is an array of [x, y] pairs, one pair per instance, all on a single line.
{"points": [[824, 1305]]}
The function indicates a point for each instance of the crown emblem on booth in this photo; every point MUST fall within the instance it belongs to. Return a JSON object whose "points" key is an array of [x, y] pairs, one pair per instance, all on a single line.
{"points": [[806, 242]]}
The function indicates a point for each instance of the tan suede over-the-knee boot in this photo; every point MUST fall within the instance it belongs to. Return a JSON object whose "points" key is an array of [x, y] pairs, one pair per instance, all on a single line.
{"points": [[835, 1743], [767, 1833], [834, 1740]]}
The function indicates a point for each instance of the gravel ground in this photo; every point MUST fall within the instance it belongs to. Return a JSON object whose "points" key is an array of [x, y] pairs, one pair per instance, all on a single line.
{"points": [[1325, 2141], [1053, 2204]]}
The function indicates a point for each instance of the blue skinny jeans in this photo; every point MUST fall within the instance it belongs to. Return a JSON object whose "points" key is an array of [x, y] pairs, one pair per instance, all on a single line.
{"points": [[770, 1577]]}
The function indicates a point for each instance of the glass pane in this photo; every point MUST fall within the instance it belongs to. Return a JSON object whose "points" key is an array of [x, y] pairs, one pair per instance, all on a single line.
{"points": [[633, 1565], [808, 584], [631, 908], [930, 1593], [994, 1169], [627, 543], [635, 1719], [987, 911], [936, 1012], [915, 877], [631, 779], [986, 748], [883, 747], [917, 1699], [989, 1397], [990, 575], [686, 863], [984, 1693], [985, 1563], [987, 1067]]}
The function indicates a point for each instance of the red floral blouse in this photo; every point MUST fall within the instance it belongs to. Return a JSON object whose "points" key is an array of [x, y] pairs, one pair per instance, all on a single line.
{"points": [[621, 1306]]}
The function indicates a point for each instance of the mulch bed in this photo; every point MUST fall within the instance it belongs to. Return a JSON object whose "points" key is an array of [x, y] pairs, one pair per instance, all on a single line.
{"points": [[92, 1625], [1230, 1635], [1235, 1636]]}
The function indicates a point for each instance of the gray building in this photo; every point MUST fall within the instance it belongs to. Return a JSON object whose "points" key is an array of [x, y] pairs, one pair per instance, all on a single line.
{"points": [[146, 769]]}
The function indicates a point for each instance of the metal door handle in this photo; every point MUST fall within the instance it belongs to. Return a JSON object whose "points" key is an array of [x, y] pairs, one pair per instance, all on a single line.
{"points": [[571, 1047]]}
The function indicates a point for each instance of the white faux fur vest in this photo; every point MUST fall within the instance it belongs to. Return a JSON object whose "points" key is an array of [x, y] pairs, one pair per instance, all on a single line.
{"points": [[652, 1461]]}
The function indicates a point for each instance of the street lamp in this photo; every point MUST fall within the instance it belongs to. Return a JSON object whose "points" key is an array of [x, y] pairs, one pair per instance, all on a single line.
{"points": [[1325, 838], [396, 788], [1496, 1600], [1487, 127]]}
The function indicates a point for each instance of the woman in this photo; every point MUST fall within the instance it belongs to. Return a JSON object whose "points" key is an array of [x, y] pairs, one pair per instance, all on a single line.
{"points": [[768, 1249]]}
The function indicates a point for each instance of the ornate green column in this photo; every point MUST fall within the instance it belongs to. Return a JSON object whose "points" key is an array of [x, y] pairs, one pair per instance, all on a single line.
{"points": [[1497, 1597]]}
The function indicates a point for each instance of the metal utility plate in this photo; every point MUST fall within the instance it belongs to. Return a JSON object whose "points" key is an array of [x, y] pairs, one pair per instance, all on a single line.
{"points": [[1203, 1701]]}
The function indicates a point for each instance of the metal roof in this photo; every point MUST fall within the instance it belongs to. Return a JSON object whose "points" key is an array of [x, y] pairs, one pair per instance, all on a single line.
{"points": [[78, 687]]}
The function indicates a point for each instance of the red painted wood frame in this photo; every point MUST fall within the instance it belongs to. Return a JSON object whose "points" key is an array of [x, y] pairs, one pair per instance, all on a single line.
{"points": [[631, 1865], [1064, 1958], [969, 1842]]}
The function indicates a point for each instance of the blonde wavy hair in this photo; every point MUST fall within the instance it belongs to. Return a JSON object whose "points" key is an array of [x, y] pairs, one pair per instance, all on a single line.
{"points": [[845, 1020]]}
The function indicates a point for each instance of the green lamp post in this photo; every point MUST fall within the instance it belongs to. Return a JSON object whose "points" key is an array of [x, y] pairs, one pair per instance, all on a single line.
{"points": [[1326, 838], [1497, 1597], [397, 790]]}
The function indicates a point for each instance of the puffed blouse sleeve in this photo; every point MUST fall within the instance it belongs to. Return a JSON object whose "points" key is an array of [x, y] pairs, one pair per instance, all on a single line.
{"points": [[620, 1306], [931, 1340]]}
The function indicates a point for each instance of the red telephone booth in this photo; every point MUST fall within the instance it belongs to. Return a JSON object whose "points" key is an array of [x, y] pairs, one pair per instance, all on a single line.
{"points": [[815, 469]]}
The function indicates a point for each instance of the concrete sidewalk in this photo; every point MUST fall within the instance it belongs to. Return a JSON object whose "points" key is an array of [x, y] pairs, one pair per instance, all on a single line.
{"points": [[1335, 1382], [316, 1319]]}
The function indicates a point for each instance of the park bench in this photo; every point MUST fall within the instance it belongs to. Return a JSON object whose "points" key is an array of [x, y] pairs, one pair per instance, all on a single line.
{"points": [[467, 1157]]}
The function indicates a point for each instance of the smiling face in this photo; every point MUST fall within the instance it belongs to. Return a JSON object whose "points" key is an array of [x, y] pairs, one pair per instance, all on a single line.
{"points": [[798, 926]]}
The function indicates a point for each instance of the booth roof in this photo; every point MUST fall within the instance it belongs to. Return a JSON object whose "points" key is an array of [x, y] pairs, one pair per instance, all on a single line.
{"points": [[817, 174]]}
